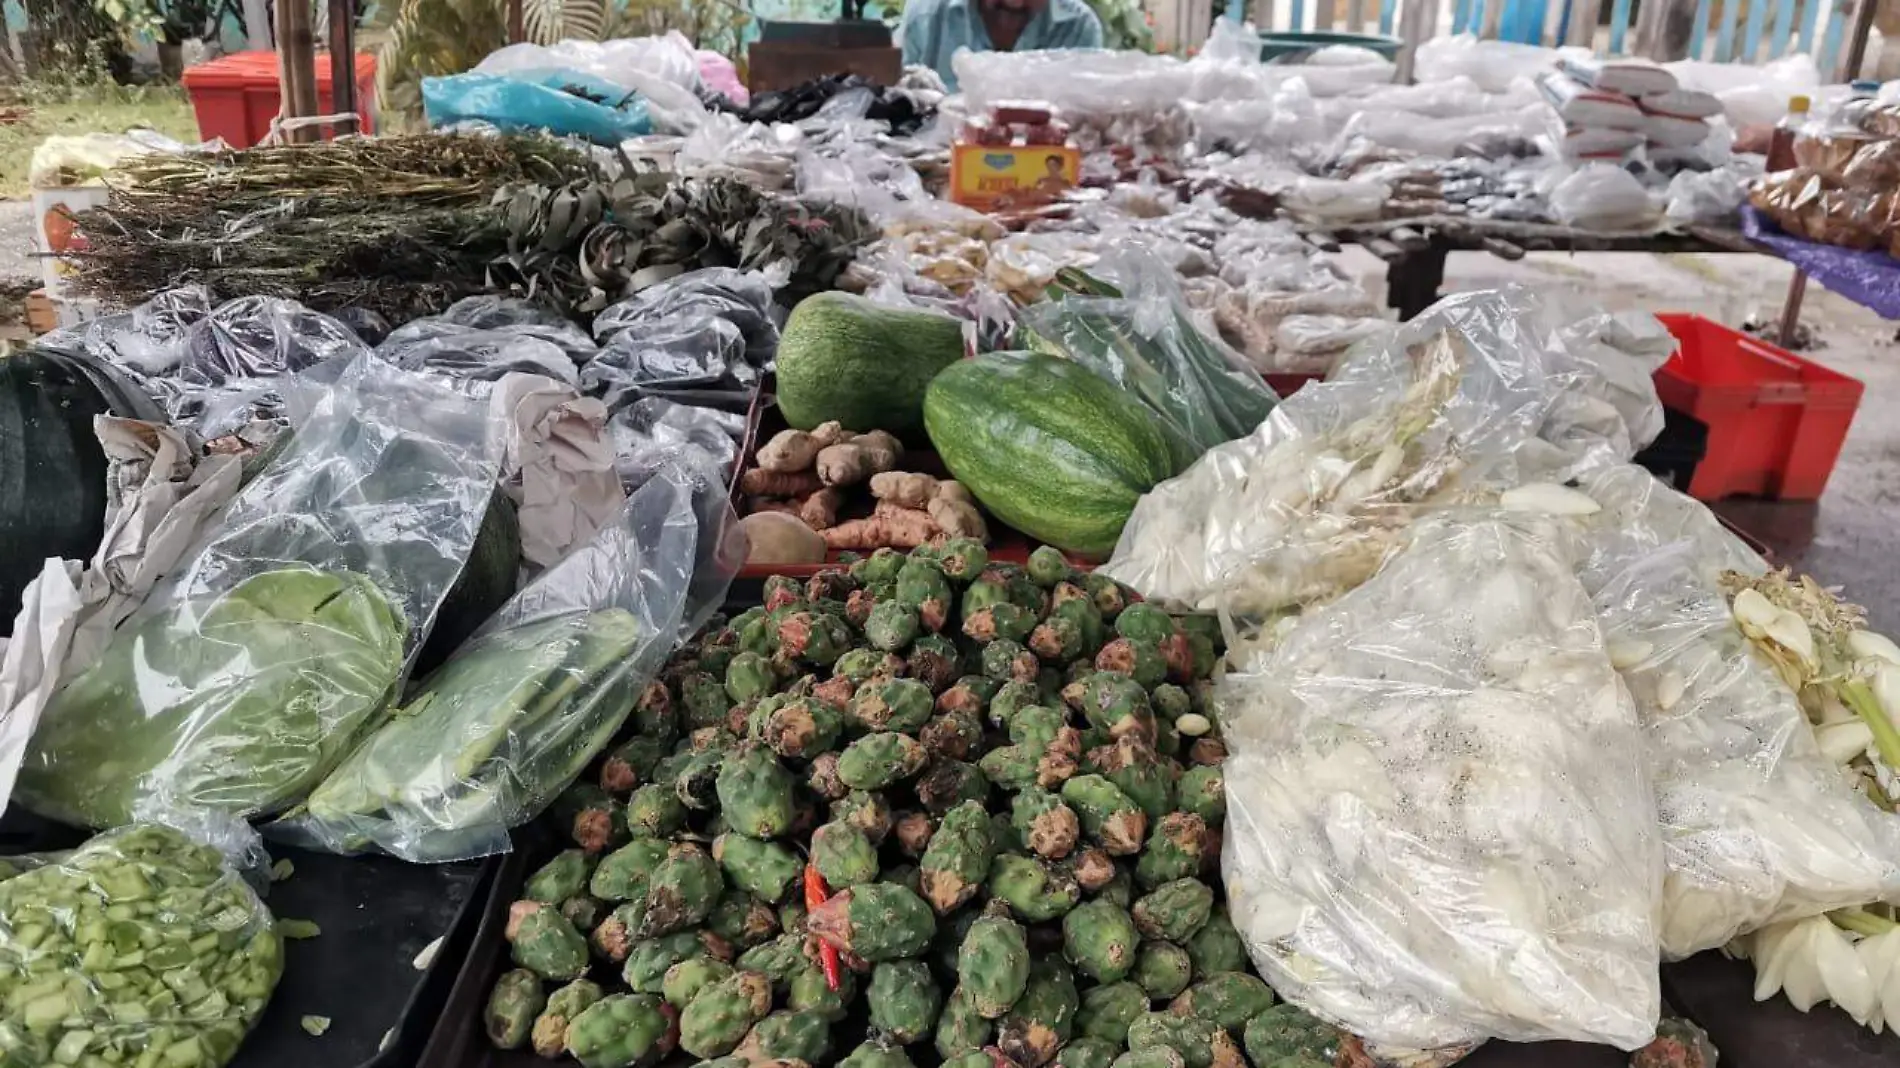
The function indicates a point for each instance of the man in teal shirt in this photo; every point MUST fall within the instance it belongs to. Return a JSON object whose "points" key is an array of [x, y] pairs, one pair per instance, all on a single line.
{"points": [[935, 29]]}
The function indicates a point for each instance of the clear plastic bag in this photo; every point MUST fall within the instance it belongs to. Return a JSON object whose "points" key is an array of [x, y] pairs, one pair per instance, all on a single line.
{"points": [[446, 348], [742, 298], [244, 679], [1442, 828], [149, 339], [1602, 196], [263, 337], [490, 738], [654, 433], [139, 947], [1757, 824], [1145, 341], [675, 356]]}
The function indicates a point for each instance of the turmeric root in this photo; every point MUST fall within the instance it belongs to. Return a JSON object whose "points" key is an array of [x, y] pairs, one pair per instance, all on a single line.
{"points": [[789, 451], [903, 487], [851, 462], [904, 528], [820, 509], [759, 482]]}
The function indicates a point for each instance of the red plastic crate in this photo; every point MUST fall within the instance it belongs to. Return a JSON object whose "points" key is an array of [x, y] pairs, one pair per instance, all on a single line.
{"points": [[1776, 421], [236, 96]]}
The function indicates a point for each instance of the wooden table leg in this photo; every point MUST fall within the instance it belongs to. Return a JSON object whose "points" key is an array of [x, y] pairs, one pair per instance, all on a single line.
{"points": [[1413, 280], [1791, 310]]}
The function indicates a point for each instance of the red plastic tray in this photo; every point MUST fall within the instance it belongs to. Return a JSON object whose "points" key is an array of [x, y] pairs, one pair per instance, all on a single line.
{"points": [[1776, 421]]}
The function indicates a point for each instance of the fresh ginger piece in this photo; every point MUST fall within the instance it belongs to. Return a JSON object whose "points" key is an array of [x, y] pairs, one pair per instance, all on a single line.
{"points": [[856, 460], [904, 528], [789, 450], [820, 509], [907, 488], [759, 482], [959, 519], [952, 490], [777, 538], [831, 433]]}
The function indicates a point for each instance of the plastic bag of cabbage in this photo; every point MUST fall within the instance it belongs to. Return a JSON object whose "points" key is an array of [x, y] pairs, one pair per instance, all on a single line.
{"points": [[246, 677], [1442, 827], [137, 948], [1758, 824], [489, 738]]}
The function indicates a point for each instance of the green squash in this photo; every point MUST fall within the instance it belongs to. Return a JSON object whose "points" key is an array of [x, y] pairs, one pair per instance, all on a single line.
{"points": [[865, 365]]}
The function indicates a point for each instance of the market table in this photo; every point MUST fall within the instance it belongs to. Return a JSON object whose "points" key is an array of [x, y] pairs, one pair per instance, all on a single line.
{"points": [[1414, 251]]}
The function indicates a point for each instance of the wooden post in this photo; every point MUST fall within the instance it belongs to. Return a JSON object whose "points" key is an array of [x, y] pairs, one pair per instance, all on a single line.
{"points": [[1857, 41], [343, 64], [516, 31], [1664, 29], [296, 67]]}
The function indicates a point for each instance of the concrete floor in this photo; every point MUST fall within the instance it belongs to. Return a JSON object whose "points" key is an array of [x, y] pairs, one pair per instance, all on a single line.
{"points": [[1851, 537]]}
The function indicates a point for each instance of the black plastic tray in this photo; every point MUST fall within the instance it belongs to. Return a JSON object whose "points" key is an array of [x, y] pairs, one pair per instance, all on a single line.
{"points": [[376, 915]]}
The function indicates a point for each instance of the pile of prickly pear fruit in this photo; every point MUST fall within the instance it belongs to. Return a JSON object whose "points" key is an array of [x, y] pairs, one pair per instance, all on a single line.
{"points": [[923, 809]]}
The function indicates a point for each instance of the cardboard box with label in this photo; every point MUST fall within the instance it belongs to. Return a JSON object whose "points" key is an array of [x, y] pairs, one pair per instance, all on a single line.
{"points": [[984, 176]]}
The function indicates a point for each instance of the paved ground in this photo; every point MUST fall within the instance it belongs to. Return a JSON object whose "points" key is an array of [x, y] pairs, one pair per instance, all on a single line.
{"points": [[16, 239]]}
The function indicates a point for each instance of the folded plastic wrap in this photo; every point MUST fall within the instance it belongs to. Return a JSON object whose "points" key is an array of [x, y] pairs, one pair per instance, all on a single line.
{"points": [[1441, 827], [138, 948], [1481, 392], [245, 678], [1757, 824], [489, 739]]}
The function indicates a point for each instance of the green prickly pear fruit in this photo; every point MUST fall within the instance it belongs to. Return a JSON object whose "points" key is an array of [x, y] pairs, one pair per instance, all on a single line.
{"points": [[1229, 999], [1093, 868], [594, 820], [1011, 767], [1203, 791], [682, 892], [1145, 623], [766, 870], [891, 626], [963, 559], [1174, 851], [1003, 621], [742, 919], [1139, 660], [1006, 660], [1100, 938], [648, 960], [1057, 640], [1107, 1011], [781, 591], [655, 811], [1108, 595], [749, 677], [970, 696], [618, 1032], [583, 911], [1217, 947], [633, 761], [1047, 826], [1113, 703], [904, 1000], [622, 875], [977, 1059], [815, 637], [879, 760], [1120, 889], [949, 783], [1144, 775], [615, 935], [866, 810], [876, 1055], [722, 1012], [1170, 702], [801, 728], [755, 793], [1011, 698], [1034, 890], [787, 1037], [1151, 1057], [1043, 1018], [560, 878], [962, 1029], [951, 736], [875, 921], [881, 566], [781, 960], [864, 665], [822, 777], [683, 981], [512, 1008], [1284, 1032], [1163, 969], [1074, 605], [1201, 1043], [544, 942], [1107, 814], [809, 992], [1175, 910], [656, 717], [935, 662], [1087, 1053], [703, 700], [958, 859], [1047, 566], [549, 1037], [843, 855], [921, 585], [902, 705], [993, 964]]}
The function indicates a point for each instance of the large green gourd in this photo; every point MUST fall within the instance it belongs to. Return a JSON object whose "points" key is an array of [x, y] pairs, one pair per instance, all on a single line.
{"points": [[863, 364], [1047, 447]]}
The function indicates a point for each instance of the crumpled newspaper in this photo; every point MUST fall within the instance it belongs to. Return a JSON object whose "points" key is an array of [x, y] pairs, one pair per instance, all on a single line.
{"points": [[558, 466]]}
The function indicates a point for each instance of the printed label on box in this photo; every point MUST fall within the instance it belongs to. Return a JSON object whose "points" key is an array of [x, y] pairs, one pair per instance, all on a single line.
{"points": [[982, 175]]}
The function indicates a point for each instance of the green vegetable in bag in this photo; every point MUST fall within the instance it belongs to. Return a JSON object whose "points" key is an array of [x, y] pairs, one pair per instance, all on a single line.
{"points": [[139, 948], [239, 703], [487, 740]]}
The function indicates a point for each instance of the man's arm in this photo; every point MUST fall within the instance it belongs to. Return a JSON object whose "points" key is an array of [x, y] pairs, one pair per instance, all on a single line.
{"points": [[920, 33]]}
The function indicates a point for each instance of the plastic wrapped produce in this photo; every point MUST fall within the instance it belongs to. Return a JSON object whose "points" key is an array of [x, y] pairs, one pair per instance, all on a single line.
{"points": [[263, 337], [474, 353], [488, 740], [244, 679], [742, 298], [139, 947], [1758, 825], [679, 357], [1441, 823], [654, 433]]}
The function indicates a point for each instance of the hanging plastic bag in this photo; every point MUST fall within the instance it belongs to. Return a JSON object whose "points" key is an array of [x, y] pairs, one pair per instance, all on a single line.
{"points": [[1757, 824], [489, 739], [565, 103], [1146, 342], [1441, 827], [245, 678], [139, 947]]}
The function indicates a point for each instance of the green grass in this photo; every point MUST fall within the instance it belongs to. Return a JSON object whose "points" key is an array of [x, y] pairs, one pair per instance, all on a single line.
{"points": [[43, 112]]}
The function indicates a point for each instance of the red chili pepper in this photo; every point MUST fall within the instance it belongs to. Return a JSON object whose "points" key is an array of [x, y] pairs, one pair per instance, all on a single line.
{"points": [[815, 895]]}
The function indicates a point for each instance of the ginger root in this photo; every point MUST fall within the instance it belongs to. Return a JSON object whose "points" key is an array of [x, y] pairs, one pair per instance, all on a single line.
{"points": [[789, 451], [758, 482], [948, 504], [820, 509], [856, 460], [898, 528], [903, 487]]}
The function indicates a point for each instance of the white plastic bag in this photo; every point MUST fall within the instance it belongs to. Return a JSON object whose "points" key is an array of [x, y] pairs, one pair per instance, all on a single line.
{"points": [[1601, 196], [1707, 197], [1441, 824], [1757, 825]]}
